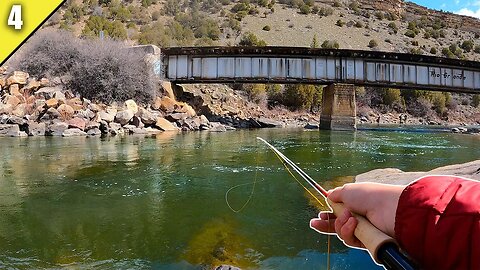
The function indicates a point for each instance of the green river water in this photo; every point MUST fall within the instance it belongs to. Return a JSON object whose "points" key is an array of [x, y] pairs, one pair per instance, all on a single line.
{"points": [[159, 202]]}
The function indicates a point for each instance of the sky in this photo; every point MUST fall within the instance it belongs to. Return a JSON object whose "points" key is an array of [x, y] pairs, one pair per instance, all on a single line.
{"points": [[463, 7]]}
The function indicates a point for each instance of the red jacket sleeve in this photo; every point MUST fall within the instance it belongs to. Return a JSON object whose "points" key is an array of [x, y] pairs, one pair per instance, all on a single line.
{"points": [[438, 222]]}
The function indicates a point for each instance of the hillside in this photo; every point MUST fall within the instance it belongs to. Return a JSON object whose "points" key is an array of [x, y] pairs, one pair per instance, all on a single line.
{"points": [[391, 25]]}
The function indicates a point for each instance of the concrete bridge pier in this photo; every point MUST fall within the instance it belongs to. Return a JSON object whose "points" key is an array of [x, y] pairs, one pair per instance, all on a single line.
{"points": [[338, 107]]}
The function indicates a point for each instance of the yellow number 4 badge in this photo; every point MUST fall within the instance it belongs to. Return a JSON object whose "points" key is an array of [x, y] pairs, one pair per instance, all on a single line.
{"points": [[19, 19]]}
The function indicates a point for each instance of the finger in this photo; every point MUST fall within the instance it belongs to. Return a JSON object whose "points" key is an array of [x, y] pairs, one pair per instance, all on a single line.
{"points": [[323, 226], [347, 233], [341, 220], [335, 195], [326, 215]]}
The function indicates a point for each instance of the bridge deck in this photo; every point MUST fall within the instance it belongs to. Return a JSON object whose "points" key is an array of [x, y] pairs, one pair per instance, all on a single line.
{"points": [[319, 66]]}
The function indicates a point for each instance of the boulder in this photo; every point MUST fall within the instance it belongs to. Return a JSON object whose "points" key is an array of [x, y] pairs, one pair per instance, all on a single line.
{"points": [[174, 117], [192, 123], [20, 110], [56, 129], [185, 108], [15, 120], [227, 267], [65, 111], [44, 82], [165, 125], [106, 116], [47, 92], [94, 132], [32, 85], [77, 122], [92, 125], [14, 90], [455, 130], [167, 104], [86, 114], [168, 90], [12, 100], [51, 103], [123, 117], [146, 116], [131, 105], [266, 122], [95, 107], [18, 77], [9, 130], [115, 128], [137, 122], [311, 126], [6, 108], [76, 103], [71, 132], [129, 128], [217, 127], [35, 129], [50, 114], [2, 83]]}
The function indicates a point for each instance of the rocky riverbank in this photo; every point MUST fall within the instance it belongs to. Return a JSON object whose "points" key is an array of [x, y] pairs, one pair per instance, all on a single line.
{"points": [[398, 177], [43, 107]]}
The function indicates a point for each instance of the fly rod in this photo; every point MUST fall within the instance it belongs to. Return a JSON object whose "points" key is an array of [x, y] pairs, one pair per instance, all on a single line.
{"points": [[381, 247]]}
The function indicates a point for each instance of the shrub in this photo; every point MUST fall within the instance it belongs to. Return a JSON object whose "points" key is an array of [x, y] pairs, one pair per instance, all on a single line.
{"points": [[477, 49], [393, 26], [391, 96], [330, 44], [266, 28], [476, 100], [256, 93], [433, 50], [325, 11], [448, 53], [340, 23], [250, 39], [337, 3], [372, 44], [379, 15], [467, 45], [410, 33], [359, 24], [301, 96], [305, 9], [314, 43], [156, 15], [100, 70]]}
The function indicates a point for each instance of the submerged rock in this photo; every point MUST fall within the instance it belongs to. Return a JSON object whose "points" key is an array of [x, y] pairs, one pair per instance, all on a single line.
{"points": [[398, 177], [165, 125], [73, 132]]}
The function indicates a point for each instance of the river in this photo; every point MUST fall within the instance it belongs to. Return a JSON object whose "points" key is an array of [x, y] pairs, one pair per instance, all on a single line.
{"points": [[159, 202]]}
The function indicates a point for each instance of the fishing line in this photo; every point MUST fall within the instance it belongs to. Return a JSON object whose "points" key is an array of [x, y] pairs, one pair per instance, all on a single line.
{"points": [[254, 183]]}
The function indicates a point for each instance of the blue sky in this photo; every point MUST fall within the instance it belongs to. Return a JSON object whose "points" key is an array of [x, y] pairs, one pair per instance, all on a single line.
{"points": [[463, 7]]}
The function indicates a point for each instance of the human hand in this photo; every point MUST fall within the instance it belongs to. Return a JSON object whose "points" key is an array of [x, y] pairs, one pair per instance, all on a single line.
{"points": [[377, 202]]}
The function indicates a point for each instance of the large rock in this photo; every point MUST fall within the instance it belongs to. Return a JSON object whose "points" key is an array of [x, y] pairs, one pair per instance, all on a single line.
{"points": [[115, 129], [123, 117], [311, 126], [50, 114], [217, 127], [51, 103], [76, 122], [36, 129], [86, 114], [18, 77], [9, 130], [12, 100], [185, 108], [92, 125], [167, 88], [94, 132], [6, 108], [167, 104], [107, 117], [398, 177], [47, 92], [265, 122], [165, 125], [15, 120], [131, 105], [14, 90], [20, 110], [71, 132], [65, 111], [32, 85], [174, 117], [146, 116], [56, 129], [76, 103]]}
